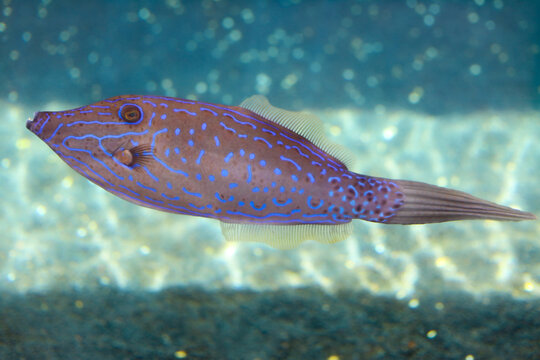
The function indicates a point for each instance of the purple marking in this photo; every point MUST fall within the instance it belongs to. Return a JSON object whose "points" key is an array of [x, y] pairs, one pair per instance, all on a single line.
{"points": [[277, 203], [290, 161], [170, 198], [146, 187], [315, 207], [42, 125], [252, 204], [269, 131], [198, 161], [191, 193], [240, 122], [249, 174], [227, 128], [154, 177], [185, 111], [54, 132], [211, 111], [263, 140], [149, 102], [151, 118]]}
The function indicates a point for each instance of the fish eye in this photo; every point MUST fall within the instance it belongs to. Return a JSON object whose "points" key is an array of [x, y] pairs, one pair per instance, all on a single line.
{"points": [[130, 113]]}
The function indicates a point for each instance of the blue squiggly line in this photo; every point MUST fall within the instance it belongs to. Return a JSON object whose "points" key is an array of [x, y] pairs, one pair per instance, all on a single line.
{"points": [[291, 161], [252, 204], [240, 122], [227, 128], [54, 132], [249, 174], [154, 177], [152, 146], [287, 202], [185, 111], [191, 193], [145, 187], [314, 207], [263, 140], [198, 161]]}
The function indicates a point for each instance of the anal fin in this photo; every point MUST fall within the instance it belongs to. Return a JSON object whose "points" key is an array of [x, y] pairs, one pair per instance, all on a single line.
{"points": [[286, 236]]}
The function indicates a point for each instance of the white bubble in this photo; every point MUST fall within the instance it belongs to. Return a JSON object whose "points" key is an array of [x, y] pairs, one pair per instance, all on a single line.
{"points": [[93, 57], [263, 83], [227, 23], [475, 69], [75, 73], [429, 20], [144, 13], [372, 81], [473, 17], [389, 132], [235, 35], [348, 74], [201, 87], [26, 36], [247, 16], [166, 83]]}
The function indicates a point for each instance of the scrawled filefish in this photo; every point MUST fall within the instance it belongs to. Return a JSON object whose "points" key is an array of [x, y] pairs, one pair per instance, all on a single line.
{"points": [[265, 173]]}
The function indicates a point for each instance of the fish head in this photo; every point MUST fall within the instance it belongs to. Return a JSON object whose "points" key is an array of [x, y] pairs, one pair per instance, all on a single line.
{"points": [[103, 141]]}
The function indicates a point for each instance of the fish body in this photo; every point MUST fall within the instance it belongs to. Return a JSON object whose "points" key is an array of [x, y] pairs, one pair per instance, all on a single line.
{"points": [[253, 166]]}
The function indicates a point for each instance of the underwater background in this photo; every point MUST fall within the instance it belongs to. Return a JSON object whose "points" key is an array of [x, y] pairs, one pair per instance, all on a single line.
{"points": [[445, 92]]}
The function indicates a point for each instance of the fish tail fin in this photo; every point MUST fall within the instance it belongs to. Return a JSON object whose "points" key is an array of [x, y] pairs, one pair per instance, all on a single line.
{"points": [[424, 203]]}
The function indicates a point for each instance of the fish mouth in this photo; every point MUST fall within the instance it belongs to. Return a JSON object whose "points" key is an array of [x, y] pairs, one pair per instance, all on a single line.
{"points": [[31, 124]]}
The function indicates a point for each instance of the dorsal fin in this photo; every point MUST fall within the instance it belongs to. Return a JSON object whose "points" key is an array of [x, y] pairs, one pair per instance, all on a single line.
{"points": [[302, 123], [285, 236]]}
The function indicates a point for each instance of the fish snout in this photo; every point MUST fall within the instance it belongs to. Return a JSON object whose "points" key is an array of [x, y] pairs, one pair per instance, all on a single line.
{"points": [[31, 121], [33, 124]]}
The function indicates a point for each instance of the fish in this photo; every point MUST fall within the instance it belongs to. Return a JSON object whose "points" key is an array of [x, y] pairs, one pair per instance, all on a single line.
{"points": [[265, 173]]}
